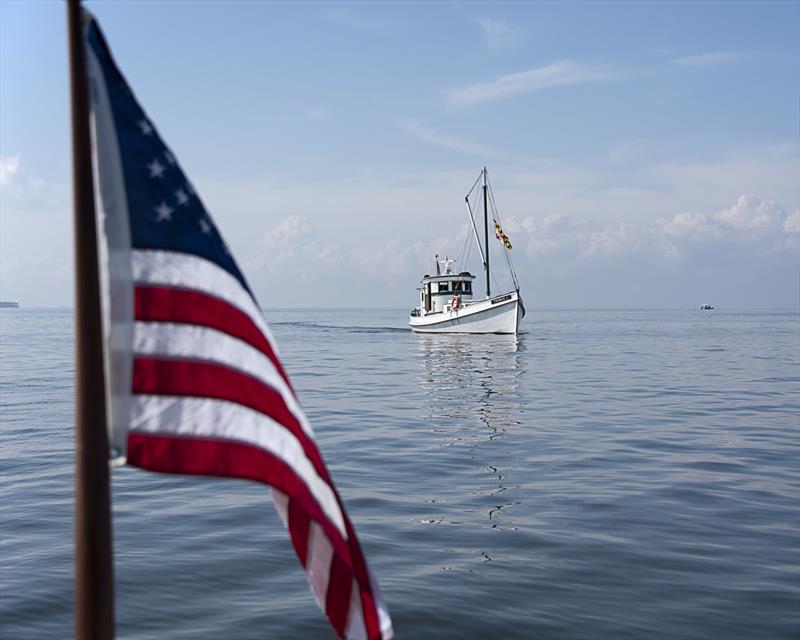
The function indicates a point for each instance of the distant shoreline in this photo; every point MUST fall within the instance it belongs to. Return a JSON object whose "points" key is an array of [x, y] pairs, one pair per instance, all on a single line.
{"points": [[7, 304]]}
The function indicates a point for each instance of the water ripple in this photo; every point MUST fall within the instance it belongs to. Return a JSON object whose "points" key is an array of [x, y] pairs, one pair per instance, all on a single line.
{"points": [[606, 474]]}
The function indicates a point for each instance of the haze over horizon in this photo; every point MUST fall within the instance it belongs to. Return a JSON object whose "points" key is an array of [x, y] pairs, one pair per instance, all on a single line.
{"points": [[641, 155]]}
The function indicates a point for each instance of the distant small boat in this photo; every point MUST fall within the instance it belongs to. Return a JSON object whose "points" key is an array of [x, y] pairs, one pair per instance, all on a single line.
{"points": [[7, 304], [707, 307]]}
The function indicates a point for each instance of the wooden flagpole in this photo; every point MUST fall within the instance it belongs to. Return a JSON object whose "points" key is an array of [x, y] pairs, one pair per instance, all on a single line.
{"points": [[94, 582]]}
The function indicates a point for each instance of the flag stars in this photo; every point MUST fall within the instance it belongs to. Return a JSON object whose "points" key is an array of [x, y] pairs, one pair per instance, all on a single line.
{"points": [[183, 199], [205, 227], [145, 127], [170, 158], [156, 169], [164, 212]]}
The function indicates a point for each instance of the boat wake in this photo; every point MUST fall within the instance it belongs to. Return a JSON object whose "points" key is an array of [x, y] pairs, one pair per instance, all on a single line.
{"points": [[345, 329]]}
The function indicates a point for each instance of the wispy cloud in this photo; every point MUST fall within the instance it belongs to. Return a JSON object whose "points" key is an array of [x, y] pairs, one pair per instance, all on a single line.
{"points": [[315, 113], [552, 75], [496, 33], [352, 20], [431, 136], [707, 59]]}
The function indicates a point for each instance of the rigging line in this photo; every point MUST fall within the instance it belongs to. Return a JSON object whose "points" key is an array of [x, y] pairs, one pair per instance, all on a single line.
{"points": [[464, 266], [506, 252], [475, 231], [469, 252], [462, 254], [478, 179]]}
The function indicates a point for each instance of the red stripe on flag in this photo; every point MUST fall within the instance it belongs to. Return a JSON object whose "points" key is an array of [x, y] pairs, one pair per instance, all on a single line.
{"points": [[154, 376], [165, 304], [299, 526], [340, 588]]}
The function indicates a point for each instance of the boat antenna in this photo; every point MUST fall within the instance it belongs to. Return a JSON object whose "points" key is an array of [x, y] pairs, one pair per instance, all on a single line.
{"points": [[486, 230]]}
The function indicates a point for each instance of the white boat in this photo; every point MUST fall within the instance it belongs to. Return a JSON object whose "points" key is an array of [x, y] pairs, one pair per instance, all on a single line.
{"points": [[707, 307], [446, 303]]}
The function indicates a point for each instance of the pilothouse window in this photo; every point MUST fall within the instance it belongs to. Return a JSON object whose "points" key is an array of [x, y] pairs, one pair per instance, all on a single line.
{"points": [[444, 287]]}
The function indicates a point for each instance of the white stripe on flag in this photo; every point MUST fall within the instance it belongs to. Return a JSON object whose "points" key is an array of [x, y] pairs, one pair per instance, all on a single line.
{"points": [[193, 342], [318, 563], [355, 618], [384, 619], [222, 420], [185, 271]]}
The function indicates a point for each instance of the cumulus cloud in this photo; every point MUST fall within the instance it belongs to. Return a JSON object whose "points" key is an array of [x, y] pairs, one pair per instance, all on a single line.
{"points": [[394, 256], [553, 75], [8, 169], [791, 226], [572, 240], [749, 214], [542, 236], [613, 241], [561, 237], [294, 239]]}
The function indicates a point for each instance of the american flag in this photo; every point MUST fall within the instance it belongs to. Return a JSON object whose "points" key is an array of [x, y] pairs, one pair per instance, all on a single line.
{"points": [[195, 384]]}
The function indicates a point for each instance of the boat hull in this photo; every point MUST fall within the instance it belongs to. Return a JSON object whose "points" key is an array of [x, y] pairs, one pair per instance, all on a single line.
{"points": [[500, 314]]}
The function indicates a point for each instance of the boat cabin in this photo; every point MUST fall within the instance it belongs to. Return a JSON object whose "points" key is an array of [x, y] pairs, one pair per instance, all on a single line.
{"points": [[440, 293]]}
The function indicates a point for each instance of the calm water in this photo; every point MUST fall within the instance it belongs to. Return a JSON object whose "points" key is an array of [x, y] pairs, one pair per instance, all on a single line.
{"points": [[607, 474]]}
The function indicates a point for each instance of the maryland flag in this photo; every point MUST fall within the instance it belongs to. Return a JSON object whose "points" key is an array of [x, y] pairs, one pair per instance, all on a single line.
{"points": [[501, 236]]}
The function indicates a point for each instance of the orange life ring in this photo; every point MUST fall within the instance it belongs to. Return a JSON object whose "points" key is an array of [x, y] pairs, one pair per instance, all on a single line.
{"points": [[455, 303]]}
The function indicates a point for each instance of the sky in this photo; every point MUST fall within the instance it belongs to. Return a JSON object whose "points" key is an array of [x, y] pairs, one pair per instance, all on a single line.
{"points": [[640, 154]]}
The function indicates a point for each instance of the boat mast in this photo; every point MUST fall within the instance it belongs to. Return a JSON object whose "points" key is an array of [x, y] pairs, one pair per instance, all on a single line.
{"points": [[486, 231]]}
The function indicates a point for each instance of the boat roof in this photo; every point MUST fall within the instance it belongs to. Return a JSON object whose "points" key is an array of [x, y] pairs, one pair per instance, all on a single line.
{"points": [[464, 275]]}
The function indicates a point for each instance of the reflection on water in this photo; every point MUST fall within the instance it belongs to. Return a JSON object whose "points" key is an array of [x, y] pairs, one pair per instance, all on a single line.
{"points": [[470, 394]]}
